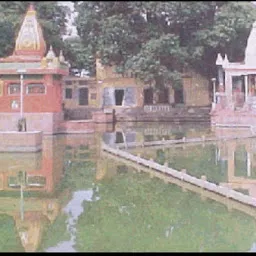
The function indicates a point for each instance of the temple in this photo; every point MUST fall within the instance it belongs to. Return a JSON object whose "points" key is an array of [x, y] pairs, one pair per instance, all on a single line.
{"points": [[30, 81], [234, 101]]}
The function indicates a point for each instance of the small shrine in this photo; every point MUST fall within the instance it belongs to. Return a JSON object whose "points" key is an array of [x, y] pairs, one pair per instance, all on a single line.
{"points": [[31, 81], [234, 90]]}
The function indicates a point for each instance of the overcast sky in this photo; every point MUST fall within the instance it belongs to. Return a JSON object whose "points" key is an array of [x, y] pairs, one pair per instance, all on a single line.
{"points": [[72, 32]]}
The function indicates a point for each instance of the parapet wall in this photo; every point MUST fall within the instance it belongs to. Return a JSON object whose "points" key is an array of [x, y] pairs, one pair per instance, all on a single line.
{"points": [[46, 122], [21, 141]]}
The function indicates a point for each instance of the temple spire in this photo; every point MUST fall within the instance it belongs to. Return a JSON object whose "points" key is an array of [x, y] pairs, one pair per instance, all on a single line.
{"points": [[250, 51], [31, 7], [30, 39]]}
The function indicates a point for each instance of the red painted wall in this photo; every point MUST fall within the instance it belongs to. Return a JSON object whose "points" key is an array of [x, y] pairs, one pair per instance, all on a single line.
{"points": [[51, 101]]}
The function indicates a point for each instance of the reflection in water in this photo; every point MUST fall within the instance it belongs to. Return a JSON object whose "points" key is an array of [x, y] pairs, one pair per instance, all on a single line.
{"points": [[73, 209], [140, 132], [228, 163], [27, 190], [136, 213], [76, 199]]}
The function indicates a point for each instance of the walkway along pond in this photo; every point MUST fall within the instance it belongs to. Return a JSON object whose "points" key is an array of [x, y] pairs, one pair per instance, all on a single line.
{"points": [[182, 175]]}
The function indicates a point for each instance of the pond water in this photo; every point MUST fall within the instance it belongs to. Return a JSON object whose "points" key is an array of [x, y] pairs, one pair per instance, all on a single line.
{"points": [[72, 198]]}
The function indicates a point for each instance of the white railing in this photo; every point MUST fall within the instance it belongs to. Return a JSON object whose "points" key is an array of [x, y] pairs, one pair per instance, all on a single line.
{"points": [[202, 183], [157, 108]]}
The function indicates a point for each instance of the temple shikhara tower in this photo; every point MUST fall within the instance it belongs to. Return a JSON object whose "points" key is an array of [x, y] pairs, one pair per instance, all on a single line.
{"points": [[234, 101], [31, 81]]}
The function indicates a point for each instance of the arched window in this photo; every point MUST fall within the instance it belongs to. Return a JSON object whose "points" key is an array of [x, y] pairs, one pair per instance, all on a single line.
{"points": [[35, 89]]}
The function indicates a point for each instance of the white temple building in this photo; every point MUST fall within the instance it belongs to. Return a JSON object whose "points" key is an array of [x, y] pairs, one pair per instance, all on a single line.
{"points": [[234, 101]]}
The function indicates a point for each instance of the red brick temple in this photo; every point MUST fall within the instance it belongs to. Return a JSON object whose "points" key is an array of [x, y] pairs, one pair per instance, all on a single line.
{"points": [[31, 81], [234, 101]]}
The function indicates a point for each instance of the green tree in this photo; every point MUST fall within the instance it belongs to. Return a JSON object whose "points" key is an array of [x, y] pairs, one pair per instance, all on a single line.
{"points": [[51, 16], [79, 57], [157, 40]]}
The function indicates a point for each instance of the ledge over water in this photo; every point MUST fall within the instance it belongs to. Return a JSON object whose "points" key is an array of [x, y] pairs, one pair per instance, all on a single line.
{"points": [[13, 141]]}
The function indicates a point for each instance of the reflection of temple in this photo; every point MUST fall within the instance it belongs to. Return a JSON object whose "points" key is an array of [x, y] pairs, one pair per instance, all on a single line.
{"points": [[43, 171], [241, 158], [235, 99]]}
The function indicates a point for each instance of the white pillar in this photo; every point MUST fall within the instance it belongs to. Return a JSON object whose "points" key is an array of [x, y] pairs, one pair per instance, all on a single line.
{"points": [[246, 87], [228, 88], [21, 95], [248, 164], [214, 89]]}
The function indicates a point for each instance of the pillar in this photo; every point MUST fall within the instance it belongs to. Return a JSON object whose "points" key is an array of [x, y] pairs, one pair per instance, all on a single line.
{"points": [[228, 88], [231, 161], [246, 87], [220, 77], [214, 89], [248, 160]]}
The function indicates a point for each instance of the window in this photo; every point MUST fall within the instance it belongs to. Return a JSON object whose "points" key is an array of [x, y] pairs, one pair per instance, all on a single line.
{"points": [[14, 88], [68, 93], [36, 181], [83, 96], [35, 89]]}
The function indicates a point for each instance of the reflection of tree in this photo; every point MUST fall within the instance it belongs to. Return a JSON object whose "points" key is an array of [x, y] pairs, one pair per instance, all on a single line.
{"points": [[9, 241], [196, 160], [78, 175], [135, 213], [160, 156]]}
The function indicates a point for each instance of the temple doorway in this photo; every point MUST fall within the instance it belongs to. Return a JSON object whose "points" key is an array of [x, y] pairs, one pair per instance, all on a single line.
{"points": [[178, 95], [238, 91], [119, 97], [148, 96]]}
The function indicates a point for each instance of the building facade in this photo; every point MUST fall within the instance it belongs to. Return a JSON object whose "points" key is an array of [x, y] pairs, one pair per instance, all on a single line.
{"points": [[109, 90]]}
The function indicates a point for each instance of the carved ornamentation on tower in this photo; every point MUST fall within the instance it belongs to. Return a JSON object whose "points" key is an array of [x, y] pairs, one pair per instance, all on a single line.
{"points": [[30, 39]]}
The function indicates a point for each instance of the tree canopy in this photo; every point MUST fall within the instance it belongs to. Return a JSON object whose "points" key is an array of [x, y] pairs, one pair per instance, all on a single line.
{"points": [[157, 40], [51, 16]]}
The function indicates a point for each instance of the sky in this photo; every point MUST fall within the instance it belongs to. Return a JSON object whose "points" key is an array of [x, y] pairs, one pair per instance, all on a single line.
{"points": [[72, 32]]}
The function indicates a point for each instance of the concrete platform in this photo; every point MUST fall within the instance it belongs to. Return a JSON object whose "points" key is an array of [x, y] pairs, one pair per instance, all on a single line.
{"points": [[21, 141]]}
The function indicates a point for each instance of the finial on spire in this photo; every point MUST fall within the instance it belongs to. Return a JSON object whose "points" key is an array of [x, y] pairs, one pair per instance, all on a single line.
{"points": [[225, 61], [50, 54], [61, 57], [31, 7], [219, 60]]}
